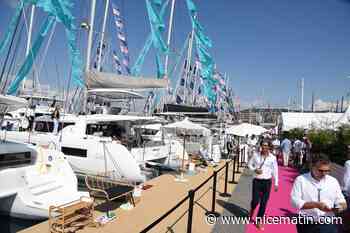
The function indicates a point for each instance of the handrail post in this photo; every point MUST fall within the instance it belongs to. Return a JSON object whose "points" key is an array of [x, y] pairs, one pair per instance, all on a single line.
{"points": [[238, 158], [190, 210], [225, 194], [242, 157], [234, 170], [213, 201]]}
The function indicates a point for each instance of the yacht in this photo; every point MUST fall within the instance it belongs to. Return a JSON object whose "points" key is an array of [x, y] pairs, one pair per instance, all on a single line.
{"points": [[32, 177], [99, 143]]}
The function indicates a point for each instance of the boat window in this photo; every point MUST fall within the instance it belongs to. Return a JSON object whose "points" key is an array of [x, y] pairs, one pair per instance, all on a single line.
{"points": [[47, 126], [15, 159], [122, 131], [74, 151]]}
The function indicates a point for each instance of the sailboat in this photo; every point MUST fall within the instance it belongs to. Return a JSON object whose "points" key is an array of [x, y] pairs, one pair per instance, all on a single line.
{"points": [[87, 140]]}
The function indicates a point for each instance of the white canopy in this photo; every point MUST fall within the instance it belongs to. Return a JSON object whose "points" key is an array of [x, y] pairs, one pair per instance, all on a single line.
{"points": [[187, 127], [344, 119], [109, 80], [150, 126], [245, 129], [292, 120]]}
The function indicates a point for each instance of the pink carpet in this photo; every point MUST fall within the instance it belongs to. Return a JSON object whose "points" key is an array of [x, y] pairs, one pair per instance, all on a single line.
{"points": [[279, 204]]}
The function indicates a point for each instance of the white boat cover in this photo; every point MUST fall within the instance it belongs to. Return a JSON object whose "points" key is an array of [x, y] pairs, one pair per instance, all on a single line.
{"points": [[96, 79], [10, 103], [293, 120], [245, 129], [112, 93], [187, 127], [12, 100]]}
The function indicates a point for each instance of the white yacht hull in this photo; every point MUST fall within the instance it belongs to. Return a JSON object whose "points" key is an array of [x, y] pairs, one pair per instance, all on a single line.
{"points": [[28, 191], [88, 154]]}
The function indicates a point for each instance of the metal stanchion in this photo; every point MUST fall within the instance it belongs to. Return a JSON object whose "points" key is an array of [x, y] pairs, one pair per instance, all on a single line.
{"points": [[225, 194], [234, 170], [238, 157], [213, 201], [190, 210]]}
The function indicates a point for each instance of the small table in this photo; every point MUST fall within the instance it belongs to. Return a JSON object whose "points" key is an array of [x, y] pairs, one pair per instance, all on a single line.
{"points": [[71, 216]]}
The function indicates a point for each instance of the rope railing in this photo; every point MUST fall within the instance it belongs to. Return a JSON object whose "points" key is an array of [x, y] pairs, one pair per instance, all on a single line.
{"points": [[191, 196]]}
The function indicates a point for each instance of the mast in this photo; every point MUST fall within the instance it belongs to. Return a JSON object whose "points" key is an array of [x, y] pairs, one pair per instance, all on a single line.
{"points": [[342, 104], [88, 52], [195, 83], [91, 33], [169, 34], [102, 36], [189, 57], [313, 102], [29, 40], [302, 95]]}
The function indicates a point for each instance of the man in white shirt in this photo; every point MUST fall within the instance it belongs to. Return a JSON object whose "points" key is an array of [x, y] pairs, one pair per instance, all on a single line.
{"points": [[346, 178], [318, 196], [264, 164], [298, 147], [276, 147]]}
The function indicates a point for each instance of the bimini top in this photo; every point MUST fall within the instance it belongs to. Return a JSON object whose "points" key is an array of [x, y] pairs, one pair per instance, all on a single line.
{"points": [[109, 80], [12, 102], [112, 93]]}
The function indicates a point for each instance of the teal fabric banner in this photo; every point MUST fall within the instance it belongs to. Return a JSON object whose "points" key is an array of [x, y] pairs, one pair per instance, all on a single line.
{"points": [[160, 67], [157, 27], [136, 69], [202, 44], [28, 63], [61, 11]]}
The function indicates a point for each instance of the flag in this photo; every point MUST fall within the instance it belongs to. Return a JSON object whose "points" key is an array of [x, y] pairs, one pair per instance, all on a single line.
{"points": [[121, 36], [119, 24], [123, 45], [115, 56], [178, 99], [117, 65], [115, 10], [124, 49], [125, 62]]}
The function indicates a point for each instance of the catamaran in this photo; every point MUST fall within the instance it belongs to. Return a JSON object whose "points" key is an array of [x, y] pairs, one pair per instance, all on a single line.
{"points": [[99, 143], [32, 177]]}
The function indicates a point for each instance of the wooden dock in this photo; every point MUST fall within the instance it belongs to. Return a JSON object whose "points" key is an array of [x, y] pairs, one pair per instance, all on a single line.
{"points": [[164, 194]]}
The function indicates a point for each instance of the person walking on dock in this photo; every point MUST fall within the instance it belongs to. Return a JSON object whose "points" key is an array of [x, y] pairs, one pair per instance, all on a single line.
{"points": [[286, 147], [264, 165], [318, 197]]}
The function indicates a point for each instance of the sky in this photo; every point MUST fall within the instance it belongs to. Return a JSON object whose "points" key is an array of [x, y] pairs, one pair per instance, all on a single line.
{"points": [[265, 47]]}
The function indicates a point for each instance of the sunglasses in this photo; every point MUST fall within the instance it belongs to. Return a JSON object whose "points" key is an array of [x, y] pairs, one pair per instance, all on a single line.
{"points": [[323, 170], [264, 145]]}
